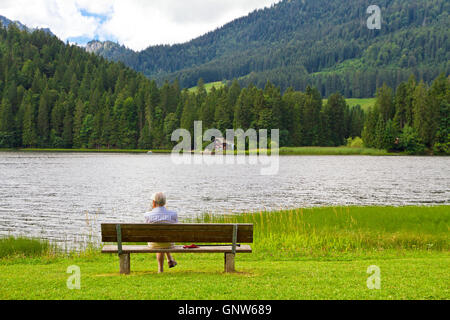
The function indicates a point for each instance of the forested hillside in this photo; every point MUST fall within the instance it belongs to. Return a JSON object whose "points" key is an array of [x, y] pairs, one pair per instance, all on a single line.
{"points": [[321, 43], [57, 95]]}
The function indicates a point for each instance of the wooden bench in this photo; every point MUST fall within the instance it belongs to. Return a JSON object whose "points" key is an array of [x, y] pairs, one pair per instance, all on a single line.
{"points": [[184, 233]]}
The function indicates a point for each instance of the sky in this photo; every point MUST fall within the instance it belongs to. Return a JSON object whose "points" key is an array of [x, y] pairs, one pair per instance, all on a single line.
{"points": [[136, 24]]}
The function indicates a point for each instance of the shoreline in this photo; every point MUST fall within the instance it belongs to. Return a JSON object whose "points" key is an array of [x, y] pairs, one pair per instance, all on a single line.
{"points": [[284, 151]]}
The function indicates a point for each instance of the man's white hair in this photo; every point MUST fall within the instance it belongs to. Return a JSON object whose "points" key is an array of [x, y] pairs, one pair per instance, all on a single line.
{"points": [[159, 198]]}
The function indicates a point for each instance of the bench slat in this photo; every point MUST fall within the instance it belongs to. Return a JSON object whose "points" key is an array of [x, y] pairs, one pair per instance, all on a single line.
{"points": [[177, 233], [176, 249]]}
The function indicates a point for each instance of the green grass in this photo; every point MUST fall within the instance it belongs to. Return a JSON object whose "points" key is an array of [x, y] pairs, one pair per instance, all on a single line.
{"points": [[87, 150], [201, 277], [282, 151], [333, 151], [319, 253], [337, 231], [24, 247], [347, 65], [208, 86], [365, 103]]}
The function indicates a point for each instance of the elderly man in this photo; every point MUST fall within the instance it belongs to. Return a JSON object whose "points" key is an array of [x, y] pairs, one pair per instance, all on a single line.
{"points": [[158, 215]]}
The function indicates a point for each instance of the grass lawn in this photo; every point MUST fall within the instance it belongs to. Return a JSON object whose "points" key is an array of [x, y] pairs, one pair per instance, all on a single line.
{"points": [[365, 103], [319, 253], [424, 276]]}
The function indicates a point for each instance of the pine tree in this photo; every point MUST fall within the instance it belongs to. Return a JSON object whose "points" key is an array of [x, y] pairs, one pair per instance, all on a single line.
{"points": [[43, 126], [369, 134], [222, 115], [78, 119], [380, 132], [6, 124], [440, 100], [86, 130], [311, 117], [385, 102], [401, 102], [29, 136], [243, 113], [426, 121], [334, 113], [67, 134]]}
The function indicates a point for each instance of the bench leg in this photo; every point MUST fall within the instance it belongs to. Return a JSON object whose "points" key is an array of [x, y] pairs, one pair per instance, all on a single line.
{"points": [[124, 263], [229, 262]]}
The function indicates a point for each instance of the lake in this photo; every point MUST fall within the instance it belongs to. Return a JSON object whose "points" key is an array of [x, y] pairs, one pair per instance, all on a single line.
{"points": [[64, 197]]}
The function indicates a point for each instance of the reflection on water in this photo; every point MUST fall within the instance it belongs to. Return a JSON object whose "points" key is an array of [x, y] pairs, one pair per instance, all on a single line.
{"points": [[52, 195]]}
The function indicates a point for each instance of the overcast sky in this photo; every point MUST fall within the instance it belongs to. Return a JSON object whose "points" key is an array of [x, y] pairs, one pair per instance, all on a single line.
{"points": [[134, 23]]}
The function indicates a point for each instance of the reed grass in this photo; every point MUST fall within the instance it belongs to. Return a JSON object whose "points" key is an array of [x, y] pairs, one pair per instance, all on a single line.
{"points": [[25, 247], [333, 151], [334, 231], [87, 150]]}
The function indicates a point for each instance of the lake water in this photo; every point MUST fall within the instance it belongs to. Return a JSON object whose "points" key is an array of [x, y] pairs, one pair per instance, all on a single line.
{"points": [[54, 195]]}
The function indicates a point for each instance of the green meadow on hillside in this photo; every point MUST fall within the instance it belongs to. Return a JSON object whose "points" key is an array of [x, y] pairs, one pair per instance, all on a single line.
{"points": [[208, 86], [365, 103]]}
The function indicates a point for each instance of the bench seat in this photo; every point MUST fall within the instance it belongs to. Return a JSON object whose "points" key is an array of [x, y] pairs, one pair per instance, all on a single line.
{"points": [[176, 249], [214, 233]]}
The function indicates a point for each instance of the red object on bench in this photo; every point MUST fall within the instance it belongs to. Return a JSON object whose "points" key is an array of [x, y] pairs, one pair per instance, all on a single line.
{"points": [[192, 246]]}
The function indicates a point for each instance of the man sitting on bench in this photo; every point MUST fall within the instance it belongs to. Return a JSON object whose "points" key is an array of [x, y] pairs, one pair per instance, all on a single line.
{"points": [[161, 215]]}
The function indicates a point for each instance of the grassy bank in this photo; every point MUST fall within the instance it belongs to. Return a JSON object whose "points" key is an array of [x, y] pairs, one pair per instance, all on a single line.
{"points": [[335, 151], [341, 232], [305, 151], [86, 150], [320, 253]]}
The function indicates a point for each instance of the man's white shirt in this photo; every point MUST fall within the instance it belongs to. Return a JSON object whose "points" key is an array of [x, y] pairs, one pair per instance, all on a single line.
{"points": [[161, 215]]}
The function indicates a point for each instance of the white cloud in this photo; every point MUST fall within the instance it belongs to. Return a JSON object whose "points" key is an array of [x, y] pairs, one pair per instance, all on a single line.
{"points": [[134, 23]]}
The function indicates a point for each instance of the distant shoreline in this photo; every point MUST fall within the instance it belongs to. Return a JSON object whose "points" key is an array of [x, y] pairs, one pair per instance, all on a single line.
{"points": [[284, 151]]}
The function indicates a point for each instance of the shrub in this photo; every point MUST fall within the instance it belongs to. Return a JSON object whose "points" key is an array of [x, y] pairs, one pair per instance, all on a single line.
{"points": [[410, 141], [356, 142], [442, 147]]}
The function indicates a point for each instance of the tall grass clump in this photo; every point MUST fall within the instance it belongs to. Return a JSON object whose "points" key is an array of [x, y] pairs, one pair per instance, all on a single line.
{"points": [[24, 247], [337, 230], [331, 151]]}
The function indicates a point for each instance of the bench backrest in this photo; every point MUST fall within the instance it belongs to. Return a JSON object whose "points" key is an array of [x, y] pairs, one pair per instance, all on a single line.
{"points": [[181, 232]]}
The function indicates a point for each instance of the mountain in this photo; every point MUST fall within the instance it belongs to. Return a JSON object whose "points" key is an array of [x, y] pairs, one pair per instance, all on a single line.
{"points": [[111, 50], [308, 42], [57, 95], [6, 22]]}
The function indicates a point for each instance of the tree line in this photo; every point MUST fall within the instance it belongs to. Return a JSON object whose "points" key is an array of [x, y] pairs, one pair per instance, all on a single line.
{"points": [[414, 118], [55, 95]]}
